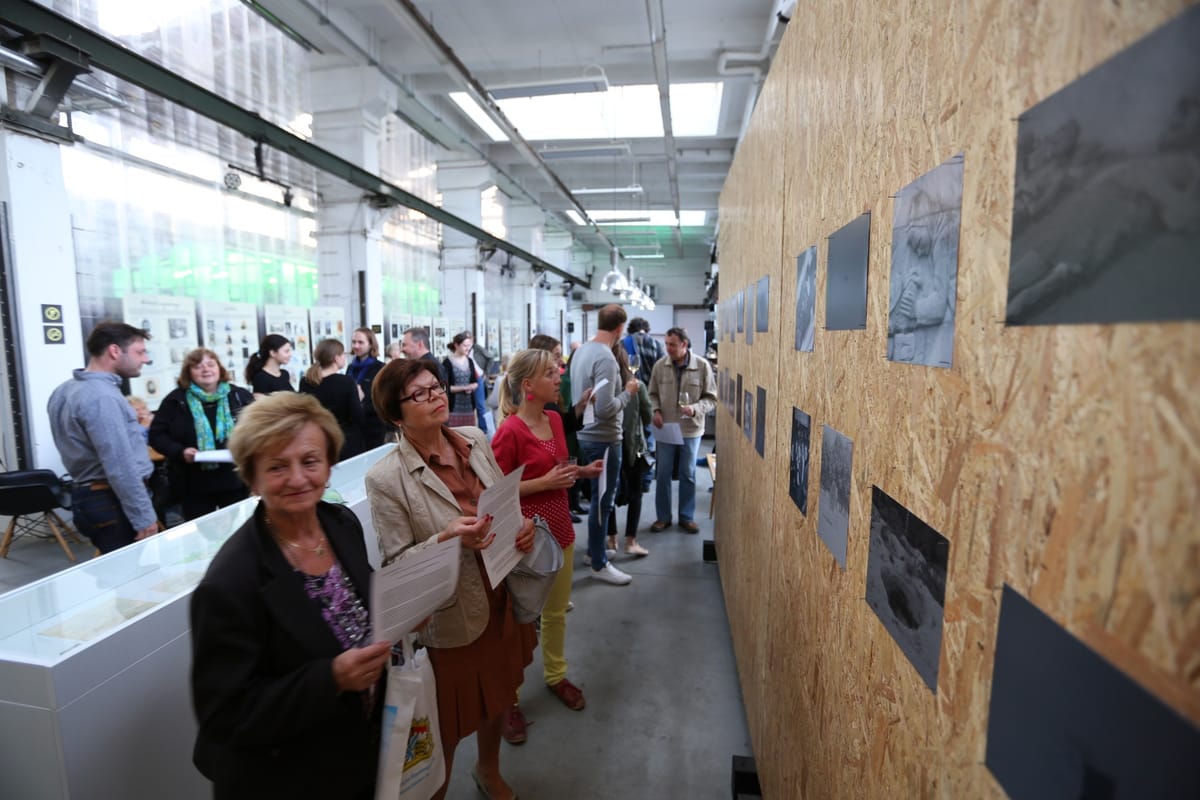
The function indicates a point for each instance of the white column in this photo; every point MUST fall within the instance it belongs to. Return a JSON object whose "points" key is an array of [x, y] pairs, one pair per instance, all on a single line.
{"points": [[460, 183], [43, 269], [349, 104]]}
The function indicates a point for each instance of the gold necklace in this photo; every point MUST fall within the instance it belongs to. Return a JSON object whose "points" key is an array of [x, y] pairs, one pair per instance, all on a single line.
{"points": [[319, 550]]}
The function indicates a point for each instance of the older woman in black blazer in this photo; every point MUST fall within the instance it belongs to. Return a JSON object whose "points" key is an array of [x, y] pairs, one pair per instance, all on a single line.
{"points": [[286, 687]]}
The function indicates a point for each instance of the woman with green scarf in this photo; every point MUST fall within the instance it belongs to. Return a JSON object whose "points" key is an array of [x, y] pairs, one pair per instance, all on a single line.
{"points": [[196, 417]]}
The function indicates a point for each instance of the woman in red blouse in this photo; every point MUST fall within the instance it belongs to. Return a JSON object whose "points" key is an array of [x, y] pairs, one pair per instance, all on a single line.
{"points": [[533, 436]]}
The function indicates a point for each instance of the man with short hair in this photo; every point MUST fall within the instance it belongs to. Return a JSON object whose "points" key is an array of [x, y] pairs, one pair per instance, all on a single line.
{"points": [[415, 344], [592, 364], [683, 390], [644, 350], [101, 443]]}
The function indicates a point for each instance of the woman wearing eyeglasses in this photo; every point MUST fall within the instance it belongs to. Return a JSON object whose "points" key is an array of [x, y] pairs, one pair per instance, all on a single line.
{"points": [[427, 491]]}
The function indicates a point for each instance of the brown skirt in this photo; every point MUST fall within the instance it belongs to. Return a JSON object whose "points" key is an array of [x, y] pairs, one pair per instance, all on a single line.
{"points": [[479, 681]]}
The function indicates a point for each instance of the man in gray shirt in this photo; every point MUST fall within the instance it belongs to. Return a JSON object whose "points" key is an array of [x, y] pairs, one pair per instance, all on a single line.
{"points": [[101, 443], [591, 364]]}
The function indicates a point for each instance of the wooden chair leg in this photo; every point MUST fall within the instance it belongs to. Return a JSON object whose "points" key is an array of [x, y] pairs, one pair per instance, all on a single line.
{"points": [[8, 537], [50, 517], [67, 527]]}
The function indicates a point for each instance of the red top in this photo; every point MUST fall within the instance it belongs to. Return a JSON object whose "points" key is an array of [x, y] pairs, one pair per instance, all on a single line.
{"points": [[514, 444]]}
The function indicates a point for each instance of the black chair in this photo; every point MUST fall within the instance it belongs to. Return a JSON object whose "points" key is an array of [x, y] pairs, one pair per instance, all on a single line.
{"points": [[30, 498]]}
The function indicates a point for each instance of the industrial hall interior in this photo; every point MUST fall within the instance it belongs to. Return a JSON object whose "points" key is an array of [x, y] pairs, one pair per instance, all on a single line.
{"points": [[365, 366]]}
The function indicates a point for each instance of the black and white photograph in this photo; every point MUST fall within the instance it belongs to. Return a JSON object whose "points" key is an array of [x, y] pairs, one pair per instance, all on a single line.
{"points": [[806, 299], [760, 421], [1064, 722], [737, 401], [749, 309], [906, 582], [924, 278], [798, 475], [833, 499], [762, 295], [846, 281], [1106, 206], [748, 415], [741, 318]]}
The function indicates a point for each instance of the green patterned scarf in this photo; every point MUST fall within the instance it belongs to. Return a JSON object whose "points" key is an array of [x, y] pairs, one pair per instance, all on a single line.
{"points": [[206, 438]]}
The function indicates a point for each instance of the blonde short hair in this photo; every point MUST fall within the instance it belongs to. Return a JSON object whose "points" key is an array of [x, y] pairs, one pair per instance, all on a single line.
{"points": [[270, 424]]}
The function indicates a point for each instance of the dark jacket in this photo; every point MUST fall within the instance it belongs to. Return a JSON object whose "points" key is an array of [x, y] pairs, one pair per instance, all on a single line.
{"points": [[339, 394], [272, 723], [173, 431], [374, 429]]}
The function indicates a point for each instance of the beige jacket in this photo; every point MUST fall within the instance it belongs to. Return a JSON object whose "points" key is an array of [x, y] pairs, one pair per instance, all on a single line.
{"points": [[410, 506]]}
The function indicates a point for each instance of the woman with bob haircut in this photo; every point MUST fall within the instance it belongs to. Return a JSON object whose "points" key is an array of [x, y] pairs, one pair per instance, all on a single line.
{"points": [[340, 395], [286, 686], [196, 417], [427, 491]]}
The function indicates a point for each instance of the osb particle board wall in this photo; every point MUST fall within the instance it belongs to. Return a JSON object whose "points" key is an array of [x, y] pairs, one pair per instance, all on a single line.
{"points": [[1064, 461]]}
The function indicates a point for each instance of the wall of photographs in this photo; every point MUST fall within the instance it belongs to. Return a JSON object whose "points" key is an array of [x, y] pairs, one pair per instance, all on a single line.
{"points": [[960, 286]]}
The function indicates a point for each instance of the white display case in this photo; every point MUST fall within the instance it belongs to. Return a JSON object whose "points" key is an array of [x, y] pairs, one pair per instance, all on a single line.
{"points": [[94, 663]]}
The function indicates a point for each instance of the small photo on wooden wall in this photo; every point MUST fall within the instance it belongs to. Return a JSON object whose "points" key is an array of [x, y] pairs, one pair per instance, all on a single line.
{"points": [[750, 303], [748, 415], [798, 473], [833, 501], [760, 421], [924, 281], [1106, 207], [806, 299], [736, 401], [1064, 722], [906, 582], [846, 281], [739, 315], [762, 304]]}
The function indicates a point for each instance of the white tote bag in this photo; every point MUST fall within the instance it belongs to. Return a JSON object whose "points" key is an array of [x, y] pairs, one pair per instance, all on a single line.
{"points": [[412, 765]]}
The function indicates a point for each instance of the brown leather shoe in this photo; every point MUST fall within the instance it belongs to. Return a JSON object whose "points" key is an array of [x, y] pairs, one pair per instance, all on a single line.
{"points": [[659, 526], [514, 726], [690, 526]]}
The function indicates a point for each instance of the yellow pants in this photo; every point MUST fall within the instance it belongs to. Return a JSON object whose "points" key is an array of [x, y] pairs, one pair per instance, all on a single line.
{"points": [[554, 621]]}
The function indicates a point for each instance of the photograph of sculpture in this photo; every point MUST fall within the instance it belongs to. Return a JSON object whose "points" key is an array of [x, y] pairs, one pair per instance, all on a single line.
{"points": [[906, 582], [748, 415], [806, 299], [1106, 207], [846, 276], [762, 295], [760, 421], [1064, 722], [798, 476], [833, 499], [924, 279]]}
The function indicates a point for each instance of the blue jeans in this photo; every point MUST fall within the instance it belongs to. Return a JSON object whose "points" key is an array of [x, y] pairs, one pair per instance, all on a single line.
{"points": [[98, 515], [601, 508], [665, 458]]}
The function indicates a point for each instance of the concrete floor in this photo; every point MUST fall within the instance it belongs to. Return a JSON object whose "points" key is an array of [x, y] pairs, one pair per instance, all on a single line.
{"points": [[664, 710]]}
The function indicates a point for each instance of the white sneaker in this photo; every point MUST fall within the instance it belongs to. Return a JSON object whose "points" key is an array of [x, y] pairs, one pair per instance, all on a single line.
{"points": [[610, 574]]}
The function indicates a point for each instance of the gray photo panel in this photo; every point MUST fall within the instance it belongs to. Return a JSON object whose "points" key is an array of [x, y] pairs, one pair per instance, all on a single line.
{"points": [[762, 313], [1106, 206], [760, 421], [748, 415], [806, 299], [737, 401], [798, 474], [1064, 722], [906, 582], [924, 280], [741, 320], [833, 501], [846, 283]]}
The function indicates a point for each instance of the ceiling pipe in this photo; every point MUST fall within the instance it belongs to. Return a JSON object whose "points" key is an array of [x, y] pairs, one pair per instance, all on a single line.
{"points": [[780, 15], [27, 66], [458, 70], [658, 50]]}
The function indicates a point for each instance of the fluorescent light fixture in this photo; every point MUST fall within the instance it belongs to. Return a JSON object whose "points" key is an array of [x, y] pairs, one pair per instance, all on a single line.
{"points": [[644, 255], [631, 189], [609, 217], [588, 83], [586, 151], [473, 110]]}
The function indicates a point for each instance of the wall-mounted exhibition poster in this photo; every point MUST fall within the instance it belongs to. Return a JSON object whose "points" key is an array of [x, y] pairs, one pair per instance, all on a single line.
{"points": [[394, 327], [1064, 722], [1106, 207], [231, 331], [457, 326], [739, 314], [906, 582], [749, 309], [440, 337], [506, 337], [171, 323], [924, 280], [327, 322], [748, 415], [846, 278], [291, 322], [833, 500], [516, 339], [762, 300], [760, 421], [427, 324], [798, 473], [737, 401], [493, 337], [806, 299]]}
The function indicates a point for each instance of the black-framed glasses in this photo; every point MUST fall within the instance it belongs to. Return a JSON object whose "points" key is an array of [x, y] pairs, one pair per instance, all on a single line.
{"points": [[425, 393]]}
